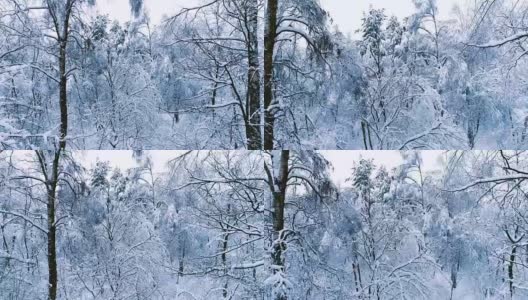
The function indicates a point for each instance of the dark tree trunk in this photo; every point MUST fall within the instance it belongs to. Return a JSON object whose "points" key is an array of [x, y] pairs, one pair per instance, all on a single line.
{"points": [[279, 186], [52, 252], [270, 34], [63, 73], [63, 101], [225, 243], [52, 180], [181, 263], [279, 198], [510, 269], [514, 240], [254, 139]]}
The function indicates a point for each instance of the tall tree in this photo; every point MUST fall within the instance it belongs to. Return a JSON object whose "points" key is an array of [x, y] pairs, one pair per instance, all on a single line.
{"points": [[226, 53], [277, 175], [270, 37], [51, 174], [253, 125]]}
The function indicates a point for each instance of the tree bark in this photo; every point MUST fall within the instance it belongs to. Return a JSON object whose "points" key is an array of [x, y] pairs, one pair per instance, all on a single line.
{"points": [[254, 139], [278, 184], [52, 181], [279, 198], [225, 244], [514, 240], [270, 34], [52, 250], [63, 101], [63, 73], [510, 269]]}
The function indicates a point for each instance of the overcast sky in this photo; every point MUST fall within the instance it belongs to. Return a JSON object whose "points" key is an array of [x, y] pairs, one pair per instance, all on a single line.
{"points": [[346, 14], [120, 9], [342, 161]]}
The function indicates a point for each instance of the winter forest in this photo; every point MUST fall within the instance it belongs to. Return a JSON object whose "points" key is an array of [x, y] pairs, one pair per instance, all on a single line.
{"points": [[189, 149], [264, 225], [255, 74]]}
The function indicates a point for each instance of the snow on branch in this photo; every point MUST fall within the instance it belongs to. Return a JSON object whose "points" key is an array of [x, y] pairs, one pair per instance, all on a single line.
{"points": [[500, 179], [302, 33], [248, 265], [419, 136], [201, 108], [500, 43], [25, 218], [5, 255]]}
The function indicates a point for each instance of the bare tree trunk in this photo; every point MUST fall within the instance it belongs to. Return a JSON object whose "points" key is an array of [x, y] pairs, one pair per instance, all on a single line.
{"points": [[514, 240], [278, 182], [63, 73], [279, 198], [63, 94], [356, 270], [225, 246], [510, 269], [455, 268], [270, 34], [225, 243], [52, 250], [52, 181], [254, 139], [181, 263]]}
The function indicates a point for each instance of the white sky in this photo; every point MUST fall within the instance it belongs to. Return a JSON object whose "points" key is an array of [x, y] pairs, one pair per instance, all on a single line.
{"points": [[342, 161], [120, 9], [346, 14]]}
